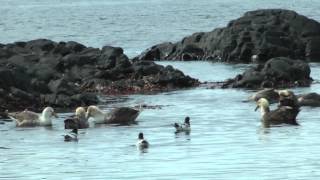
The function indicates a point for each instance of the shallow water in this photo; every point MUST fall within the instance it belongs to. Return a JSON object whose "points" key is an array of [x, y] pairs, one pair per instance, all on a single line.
{"points": [[226, 140], [132, 24]]}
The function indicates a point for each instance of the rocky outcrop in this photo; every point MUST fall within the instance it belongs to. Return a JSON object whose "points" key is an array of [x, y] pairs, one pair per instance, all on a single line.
{"points": [[67, 74], [276, 73], [258, 35]]}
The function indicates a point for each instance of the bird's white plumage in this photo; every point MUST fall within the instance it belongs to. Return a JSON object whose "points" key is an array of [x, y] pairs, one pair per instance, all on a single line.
{"points": [[29, 118]]}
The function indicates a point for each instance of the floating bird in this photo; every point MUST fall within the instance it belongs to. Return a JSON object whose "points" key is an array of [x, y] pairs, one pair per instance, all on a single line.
{"points": [[78, 121], [183, 127], [283, 114], [28, 118], [71, 136], [122, 115], [269, 93], [288, 98], [142, 143], [311, 99]]}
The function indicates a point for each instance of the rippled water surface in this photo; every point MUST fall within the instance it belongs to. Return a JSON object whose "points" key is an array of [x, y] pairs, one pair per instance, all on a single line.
{"points": [[226, 141], [132, 24]]}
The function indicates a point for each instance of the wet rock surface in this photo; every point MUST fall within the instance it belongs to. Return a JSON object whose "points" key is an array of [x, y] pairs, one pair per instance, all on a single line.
{"points": [[276, 73], [42, 73], [257, 35]]}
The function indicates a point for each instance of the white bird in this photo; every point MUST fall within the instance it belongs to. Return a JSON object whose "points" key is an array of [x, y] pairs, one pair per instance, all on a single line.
{"points": [[28, 118], [96, 113], [142, 143], [185, 127]]}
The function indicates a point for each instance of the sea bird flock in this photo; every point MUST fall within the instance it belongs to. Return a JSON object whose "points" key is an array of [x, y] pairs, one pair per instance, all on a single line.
{"points": [[285, 113]]}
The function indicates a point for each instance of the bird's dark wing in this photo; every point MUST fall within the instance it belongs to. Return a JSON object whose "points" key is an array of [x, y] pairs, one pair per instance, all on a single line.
{"points": [[122, 115], [71, 123], [281, 115]]}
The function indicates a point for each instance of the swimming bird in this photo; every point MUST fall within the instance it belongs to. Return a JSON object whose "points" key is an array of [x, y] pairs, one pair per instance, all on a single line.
{"points": [[281, 115], [183, 127], [78, 121], [71, 136], [142, 143], [121, 115], [28, 118], [269, 93], [311, 99], [288, 98]]}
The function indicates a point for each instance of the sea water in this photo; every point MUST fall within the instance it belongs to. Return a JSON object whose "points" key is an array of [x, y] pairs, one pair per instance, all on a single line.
{"points": [[226, 140]]}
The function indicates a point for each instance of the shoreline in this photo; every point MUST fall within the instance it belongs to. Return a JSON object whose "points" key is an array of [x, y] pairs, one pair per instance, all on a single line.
{"points": [[43, 72]]}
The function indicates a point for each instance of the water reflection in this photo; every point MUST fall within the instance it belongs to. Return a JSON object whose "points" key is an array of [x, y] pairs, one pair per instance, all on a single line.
{"points": [[4, 148], [179, 133], [143, 150], [183, 135]]}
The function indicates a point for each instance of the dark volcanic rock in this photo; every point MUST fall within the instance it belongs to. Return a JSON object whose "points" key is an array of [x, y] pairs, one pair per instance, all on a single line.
{"points": [[276, 73], [42, 72], [262, 34]]}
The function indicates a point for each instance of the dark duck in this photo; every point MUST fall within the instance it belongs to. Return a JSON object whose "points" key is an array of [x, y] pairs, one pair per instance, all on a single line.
{"points": [[78, 121], [185, 127], [142, 143], [281, 115], [71, 136]]}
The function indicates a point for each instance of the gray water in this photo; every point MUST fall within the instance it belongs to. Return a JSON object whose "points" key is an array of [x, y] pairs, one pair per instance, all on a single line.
{"points": [[226, 141], [132, 24]]}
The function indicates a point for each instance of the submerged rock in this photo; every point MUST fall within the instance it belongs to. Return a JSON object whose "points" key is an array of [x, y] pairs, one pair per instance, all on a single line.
{"points": [[276, 73], [257, 35], [42, 72]]}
